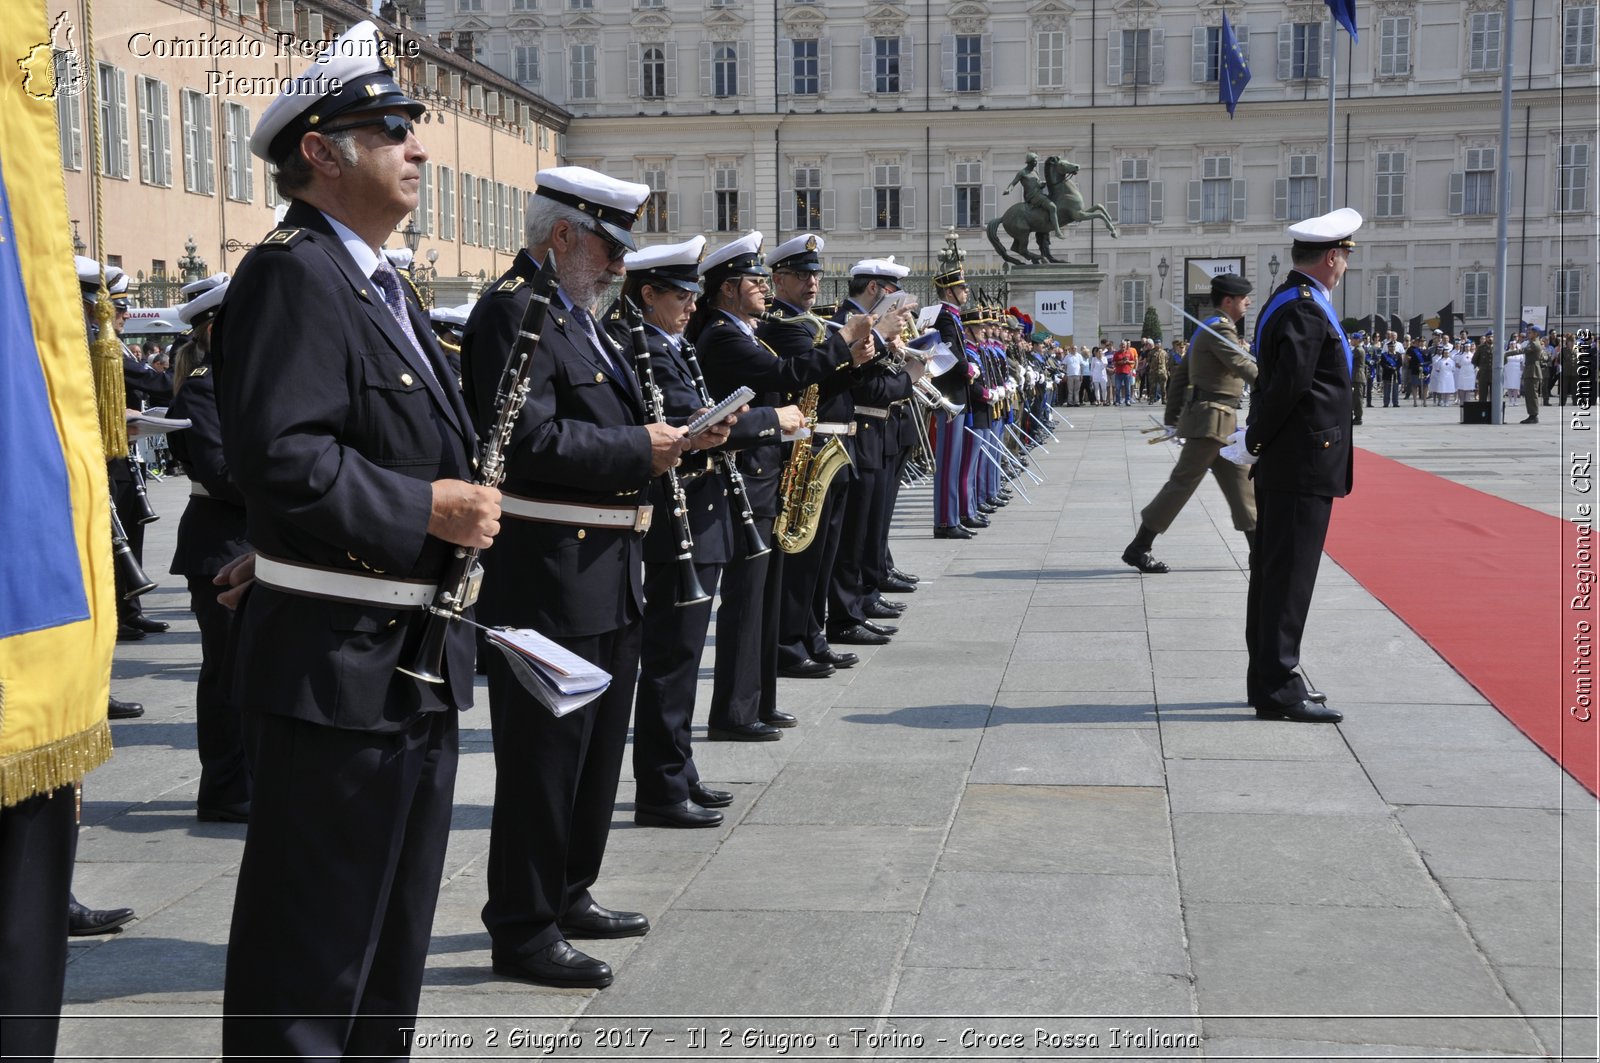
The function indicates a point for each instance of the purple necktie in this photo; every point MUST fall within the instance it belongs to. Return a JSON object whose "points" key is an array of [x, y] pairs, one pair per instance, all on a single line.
{"points": [[388, 281]]}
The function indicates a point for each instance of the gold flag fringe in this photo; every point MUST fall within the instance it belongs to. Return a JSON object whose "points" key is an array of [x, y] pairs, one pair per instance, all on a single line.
{"points": [[47, 768]]}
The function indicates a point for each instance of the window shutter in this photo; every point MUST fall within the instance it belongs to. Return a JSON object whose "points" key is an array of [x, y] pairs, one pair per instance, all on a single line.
{"points": [[907, 66], [164, 131], [991, 208], [707, 86], [249, 157], [709, 210], [866, 65], [830, 210], [867, 219], [491, 103], [746, 218], [1285, 50], [987, 79], [475, 97], [635, 70], [908, 207], [785, 67], [555, 84], [1238, 199], [1329, 40], [824, 65], [146, 139], [672, 212], [1194, 202], [786, 210], [947, 206], [671, 51], [190, 161], [1322, 193], [1458, 192], [203, 107], [1114, 56], [742, 52], [1280, 199], [1157, 215], [122, 123], [947, 55], [1197, 56], [1158, 56], [1113, 202]]}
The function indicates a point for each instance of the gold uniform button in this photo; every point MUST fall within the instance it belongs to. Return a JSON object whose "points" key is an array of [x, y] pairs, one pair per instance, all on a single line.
{"points": [[405, 378], [1326, 444], [582, 533], [392, 623], [599, 378]]}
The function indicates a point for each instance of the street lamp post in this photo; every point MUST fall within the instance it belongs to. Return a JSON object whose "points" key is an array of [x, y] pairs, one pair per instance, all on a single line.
{"points": [[1272, 268], [1162, 269]]}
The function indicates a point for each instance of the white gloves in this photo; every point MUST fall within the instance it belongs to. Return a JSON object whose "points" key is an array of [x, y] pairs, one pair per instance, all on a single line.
{"points": [[1235, 451]]}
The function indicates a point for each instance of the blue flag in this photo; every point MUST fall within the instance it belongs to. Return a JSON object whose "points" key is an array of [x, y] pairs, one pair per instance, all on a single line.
{"points": [[1344, 13], [1233, 68]]}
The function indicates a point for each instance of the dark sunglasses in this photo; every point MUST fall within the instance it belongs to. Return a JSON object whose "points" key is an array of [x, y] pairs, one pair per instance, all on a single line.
{"points": [[395, 126], [614, 250]]}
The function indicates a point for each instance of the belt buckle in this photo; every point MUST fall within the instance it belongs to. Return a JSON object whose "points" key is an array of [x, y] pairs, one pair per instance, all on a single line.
{"points": [[641, 520], [474, 585]]}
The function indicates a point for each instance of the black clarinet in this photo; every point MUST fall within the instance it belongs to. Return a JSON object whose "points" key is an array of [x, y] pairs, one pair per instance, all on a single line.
{"points": [[753, 544], [134, 580], [689, 590], [458, 585]]}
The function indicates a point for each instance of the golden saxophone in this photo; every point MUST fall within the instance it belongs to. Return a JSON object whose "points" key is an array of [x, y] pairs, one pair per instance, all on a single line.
{"points": [[805, 482]]}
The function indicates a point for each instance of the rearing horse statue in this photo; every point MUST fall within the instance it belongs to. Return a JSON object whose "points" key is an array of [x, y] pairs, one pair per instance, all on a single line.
{"points": [[1020, 219]]}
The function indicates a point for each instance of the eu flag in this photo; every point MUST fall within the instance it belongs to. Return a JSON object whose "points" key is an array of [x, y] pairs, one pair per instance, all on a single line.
{"points": [[1233, 72], [1344, 13]]}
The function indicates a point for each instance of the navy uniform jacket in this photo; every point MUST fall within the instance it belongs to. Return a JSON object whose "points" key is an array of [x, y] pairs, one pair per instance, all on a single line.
{"points": [[1301, 406], [952, 383], [581, 440], [789, 334], [705, 488], [333, 429], [212, 530], [874, 385], [979, 415], [142, 382], [731, 359]]}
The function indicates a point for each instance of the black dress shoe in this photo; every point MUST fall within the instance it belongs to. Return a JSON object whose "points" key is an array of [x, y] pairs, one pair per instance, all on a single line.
{"points": [[880, 629], [889, 603], [594, 921], [235, 813], [1316, 696], [859, 635], [988, 507], [896, 585], [123, 710], [837, 659], [144, 623], [779, 718], [806, 669], [980, 521], [128, 633], [904, 577], [1305, 712], [744, 732], [951, 531], [683, 814], [874, 611], [83, 921], [1531, 420], [1143, 561], [706, 797], [558, 965]]}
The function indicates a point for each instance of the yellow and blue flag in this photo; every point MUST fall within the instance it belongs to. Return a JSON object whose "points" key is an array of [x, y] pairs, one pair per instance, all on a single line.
{"points": [[1233, 68], [57, 621]]}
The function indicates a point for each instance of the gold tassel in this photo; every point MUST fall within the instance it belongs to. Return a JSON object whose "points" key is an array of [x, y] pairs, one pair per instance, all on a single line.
{"points": [[49, 767], [105, 355]]}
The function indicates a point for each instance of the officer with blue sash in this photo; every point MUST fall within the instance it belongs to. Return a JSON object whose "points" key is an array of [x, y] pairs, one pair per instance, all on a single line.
{"points": [[1299, 432]]}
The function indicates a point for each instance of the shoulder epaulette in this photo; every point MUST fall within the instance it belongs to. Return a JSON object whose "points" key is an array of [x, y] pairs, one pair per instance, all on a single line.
{"points": [[510, 286], [283, 238], [200, 370]]}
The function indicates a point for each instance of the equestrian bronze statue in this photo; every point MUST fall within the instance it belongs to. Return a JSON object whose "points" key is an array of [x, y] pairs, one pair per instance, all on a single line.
{"points": [[1032, 217]]}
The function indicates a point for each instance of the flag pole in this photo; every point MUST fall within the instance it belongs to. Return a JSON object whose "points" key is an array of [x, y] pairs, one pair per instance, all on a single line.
{"points": [[1333, 87], [1497, 372]]}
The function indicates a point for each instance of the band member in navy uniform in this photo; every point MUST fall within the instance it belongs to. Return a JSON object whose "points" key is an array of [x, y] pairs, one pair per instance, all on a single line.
{"points": [[353, 452], [1299, 430], [853, 603], [792, 330], [568, 563], [950, 442], [664, 283], [211, 533]]}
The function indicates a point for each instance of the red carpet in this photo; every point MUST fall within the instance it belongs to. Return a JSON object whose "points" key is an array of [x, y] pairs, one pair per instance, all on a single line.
{"points": [[1498, 590]]}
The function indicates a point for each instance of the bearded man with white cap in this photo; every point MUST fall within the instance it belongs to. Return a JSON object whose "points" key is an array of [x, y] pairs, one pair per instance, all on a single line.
{"points": [[351, 446], [569, 563], [1299, 431]]}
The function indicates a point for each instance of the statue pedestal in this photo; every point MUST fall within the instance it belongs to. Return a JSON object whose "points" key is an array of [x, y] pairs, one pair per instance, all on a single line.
{"points": [[1063, 297]]}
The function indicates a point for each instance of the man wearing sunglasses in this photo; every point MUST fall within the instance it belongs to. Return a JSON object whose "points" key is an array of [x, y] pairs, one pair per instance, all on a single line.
{"points": [[346, 434]]}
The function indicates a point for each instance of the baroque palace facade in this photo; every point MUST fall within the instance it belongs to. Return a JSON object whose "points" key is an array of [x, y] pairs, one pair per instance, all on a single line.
{"points": [[171, 90], [885, 125]]}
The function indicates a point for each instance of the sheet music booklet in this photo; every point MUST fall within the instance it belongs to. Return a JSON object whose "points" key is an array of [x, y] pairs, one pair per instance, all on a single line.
{"points": [[559, 678]]}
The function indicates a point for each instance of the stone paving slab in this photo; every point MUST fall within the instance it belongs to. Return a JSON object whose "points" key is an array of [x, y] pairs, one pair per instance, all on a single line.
{"points": [[1104, 830], [1041, 753]]}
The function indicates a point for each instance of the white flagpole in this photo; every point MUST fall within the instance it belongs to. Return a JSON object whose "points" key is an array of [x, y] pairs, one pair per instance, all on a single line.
{"points": [[1503, 209], [1333, 88]]}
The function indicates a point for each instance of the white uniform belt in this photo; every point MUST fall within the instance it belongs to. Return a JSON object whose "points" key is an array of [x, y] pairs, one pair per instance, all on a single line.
{"points": [[833, 428], [635, 518], [338, 585], [198, 490], [872, 411]]}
